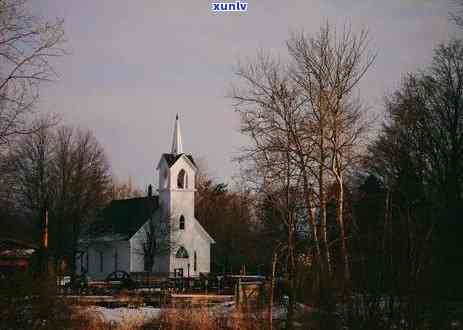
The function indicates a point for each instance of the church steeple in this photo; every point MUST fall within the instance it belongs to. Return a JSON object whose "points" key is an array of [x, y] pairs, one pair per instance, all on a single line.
{"points": [[177, 141]]}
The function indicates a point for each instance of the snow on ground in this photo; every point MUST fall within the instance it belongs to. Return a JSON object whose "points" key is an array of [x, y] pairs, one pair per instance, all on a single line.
{"points": [[228, 308], [223, 309], [123, 314], [143, 314]]}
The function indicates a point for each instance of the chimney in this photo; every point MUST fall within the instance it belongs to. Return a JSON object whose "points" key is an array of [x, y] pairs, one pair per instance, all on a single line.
{"points": [[150, 191]]}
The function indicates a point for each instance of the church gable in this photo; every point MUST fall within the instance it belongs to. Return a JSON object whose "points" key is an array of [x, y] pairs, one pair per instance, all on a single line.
{"points": [[176, 172], [182, 174], [171, 159], [200, 229]]}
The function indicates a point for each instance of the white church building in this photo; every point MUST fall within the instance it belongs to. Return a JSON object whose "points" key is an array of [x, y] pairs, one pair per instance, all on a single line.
{"points": [[163, 224]]}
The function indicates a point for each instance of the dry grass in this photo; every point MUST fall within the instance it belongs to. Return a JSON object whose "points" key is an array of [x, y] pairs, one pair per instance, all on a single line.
{"points": [[178, 319], [32, 303], [202, 319]]}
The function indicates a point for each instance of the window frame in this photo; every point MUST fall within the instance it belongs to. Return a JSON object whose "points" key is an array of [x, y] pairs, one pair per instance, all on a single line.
{"points": [[195, 262], [182, 179], [182, 253], [181, 223]]}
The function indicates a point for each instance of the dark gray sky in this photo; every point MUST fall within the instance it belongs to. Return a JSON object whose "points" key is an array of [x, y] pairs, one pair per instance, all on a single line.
{"points": [[135, 64]]}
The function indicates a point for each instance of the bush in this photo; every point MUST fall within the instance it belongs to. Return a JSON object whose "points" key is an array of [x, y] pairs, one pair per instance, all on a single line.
{"points": [[30, 302]]}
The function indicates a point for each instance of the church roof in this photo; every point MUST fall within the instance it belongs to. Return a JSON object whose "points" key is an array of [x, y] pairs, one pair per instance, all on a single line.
{"points": [[123, 218], [172, 158]]}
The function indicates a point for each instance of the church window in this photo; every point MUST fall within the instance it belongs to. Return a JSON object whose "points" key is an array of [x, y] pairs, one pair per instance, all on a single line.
{"points": [[181, 179], [195, 261], [182, 223], [101, 262], [182, 253]]}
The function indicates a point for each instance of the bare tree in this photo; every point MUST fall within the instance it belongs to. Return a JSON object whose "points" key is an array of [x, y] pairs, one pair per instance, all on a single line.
{"points": [[417, 161], [327, 68], [456, 14], [30, 164], [123, 190], [305, 127], [426, 132], [225, 213], [269, 106], [27, 45], [90, 186], [66, 171], [158, 236]]}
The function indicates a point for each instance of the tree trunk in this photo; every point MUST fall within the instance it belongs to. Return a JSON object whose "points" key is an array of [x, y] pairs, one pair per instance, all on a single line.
{"points": [[310, 215], [292, 276], [342, 227], [74, 248], [73, 263], [321, 183], [272, 290]]}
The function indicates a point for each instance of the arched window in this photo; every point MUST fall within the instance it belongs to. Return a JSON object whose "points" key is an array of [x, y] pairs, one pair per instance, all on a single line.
{"points": [[181, 179], [182, 253], [181, 224]]}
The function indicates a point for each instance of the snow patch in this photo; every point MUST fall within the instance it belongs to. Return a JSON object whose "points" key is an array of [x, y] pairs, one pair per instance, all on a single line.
{"points": [[123, 314]]}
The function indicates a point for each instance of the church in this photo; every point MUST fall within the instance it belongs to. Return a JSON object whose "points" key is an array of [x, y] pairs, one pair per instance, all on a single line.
{"points": [[156, 233]]}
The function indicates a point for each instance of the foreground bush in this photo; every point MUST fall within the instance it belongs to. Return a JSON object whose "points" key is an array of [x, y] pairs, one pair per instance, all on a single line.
{"points": [[30, 302]]}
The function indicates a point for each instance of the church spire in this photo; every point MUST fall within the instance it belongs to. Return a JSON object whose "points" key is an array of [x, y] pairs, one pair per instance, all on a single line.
{"points": [[177, 141]]}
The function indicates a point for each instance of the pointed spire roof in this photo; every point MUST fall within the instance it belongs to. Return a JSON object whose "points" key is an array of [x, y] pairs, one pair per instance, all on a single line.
{"points": [[177, 141], [177, 149]]}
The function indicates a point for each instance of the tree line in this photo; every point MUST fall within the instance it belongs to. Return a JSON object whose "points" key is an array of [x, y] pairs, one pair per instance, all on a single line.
{"points": [[47, 169], [370, 222]]}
